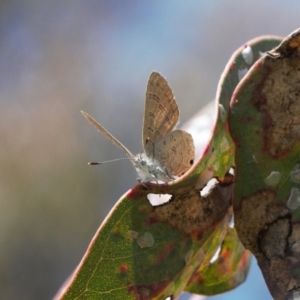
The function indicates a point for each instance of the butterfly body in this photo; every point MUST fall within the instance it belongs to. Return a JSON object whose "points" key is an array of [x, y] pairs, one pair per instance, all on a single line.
{"points": [[148, 169], [168, 154]]}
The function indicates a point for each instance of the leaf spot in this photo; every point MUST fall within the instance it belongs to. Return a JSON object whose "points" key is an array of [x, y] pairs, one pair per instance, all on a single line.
{"points": [[131, 235], [145, 240], [145, 292], [294, 199], [242, 73], [295, 175], [273, 179]]}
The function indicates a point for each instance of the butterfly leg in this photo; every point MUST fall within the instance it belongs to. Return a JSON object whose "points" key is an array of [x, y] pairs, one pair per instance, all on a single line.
{"points": [[168, 175], [142, 183], [165, 173]]}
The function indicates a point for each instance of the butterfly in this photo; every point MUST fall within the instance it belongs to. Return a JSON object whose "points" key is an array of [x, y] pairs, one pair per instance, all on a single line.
{"points": [[167, 154]]}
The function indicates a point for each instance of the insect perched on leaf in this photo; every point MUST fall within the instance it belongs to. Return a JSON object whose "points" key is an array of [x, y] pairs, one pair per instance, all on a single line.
{"points": [[167, 154]]}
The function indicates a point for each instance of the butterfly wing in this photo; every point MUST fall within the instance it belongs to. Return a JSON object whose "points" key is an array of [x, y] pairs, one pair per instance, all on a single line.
{"points": [[176, 152], [107, 134], [161, 112]]}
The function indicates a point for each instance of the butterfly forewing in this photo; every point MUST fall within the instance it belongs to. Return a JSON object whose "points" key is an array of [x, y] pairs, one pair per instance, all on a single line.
{"points": [[161, 112], [101, 129], [176, 152]]}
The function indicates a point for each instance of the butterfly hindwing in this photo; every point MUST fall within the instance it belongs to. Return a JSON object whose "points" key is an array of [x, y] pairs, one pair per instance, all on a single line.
{"points": [[175, 152]]}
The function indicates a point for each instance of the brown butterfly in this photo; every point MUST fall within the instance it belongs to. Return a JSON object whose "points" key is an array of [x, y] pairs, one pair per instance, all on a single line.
{"points": [[167, 154]]}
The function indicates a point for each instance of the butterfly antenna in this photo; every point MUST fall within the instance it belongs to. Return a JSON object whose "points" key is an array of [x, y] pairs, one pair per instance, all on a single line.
{"points": [[107, 161]]}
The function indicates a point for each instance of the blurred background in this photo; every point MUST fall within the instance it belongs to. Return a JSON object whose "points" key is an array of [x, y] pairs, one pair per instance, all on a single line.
{"points": [[60, 57]]}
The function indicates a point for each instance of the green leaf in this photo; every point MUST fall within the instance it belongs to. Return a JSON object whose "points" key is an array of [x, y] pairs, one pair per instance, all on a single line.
{"points": [[153, 252], [228, 271], [267, 188], [135, 257]]}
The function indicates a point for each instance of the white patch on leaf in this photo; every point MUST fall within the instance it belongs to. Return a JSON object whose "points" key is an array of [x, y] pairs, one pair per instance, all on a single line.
{"points": [[216, 255], [231, 171], [145, 240], [158, 199], [294, 199], [296, 248], [231, 222], [261, 54], [223, 113], [145, 292], [295, 175], [296, 295], [247, 54], [273, 179], [210, 184], [242, 73]]}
